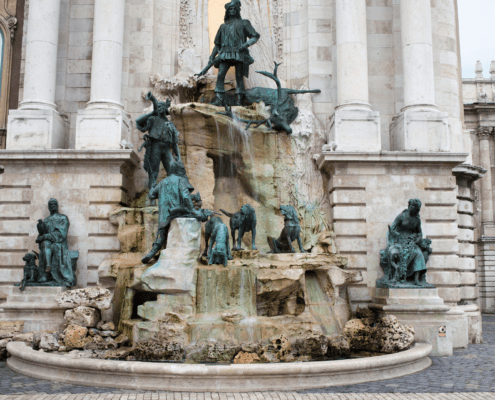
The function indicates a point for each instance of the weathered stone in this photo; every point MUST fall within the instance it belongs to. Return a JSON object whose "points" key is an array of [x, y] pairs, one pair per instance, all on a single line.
{"points": [[395, 336], [211, 351], [10, 328], [368, 317], [276, 349], [109, 333], [27, 338], [338, 347], [96, 297], [153, 351], [99, 343], [3, 348], [246, 358], [121, 340], [250, 347], [233, 317], [313, 346], [82, 316], [75, 336], [361, 336], [279, 292], [93, 332], [48, 342], [106, 326], [62, 349], [119, 354]]}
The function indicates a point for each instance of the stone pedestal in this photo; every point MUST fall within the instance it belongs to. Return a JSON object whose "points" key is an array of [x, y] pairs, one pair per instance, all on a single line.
{"points": [[175, 271], [102, 128], [35, 129], [421, 131], [424, 310], [356, 130], [36, 306]]}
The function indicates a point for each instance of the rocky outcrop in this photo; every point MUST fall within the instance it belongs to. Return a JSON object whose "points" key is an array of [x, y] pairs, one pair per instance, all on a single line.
{"points": [[246, 358], [154, 351], [3, 348], [96, 297], [312, 346], [384, 335], [75, 336], [49, 342], [276, 349], [279, 292], [10, 328], [211, 351], [338, 347], [83, 316]]}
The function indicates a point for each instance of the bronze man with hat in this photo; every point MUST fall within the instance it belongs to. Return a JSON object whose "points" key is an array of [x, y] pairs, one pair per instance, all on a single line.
{"points": [[233, 38]]}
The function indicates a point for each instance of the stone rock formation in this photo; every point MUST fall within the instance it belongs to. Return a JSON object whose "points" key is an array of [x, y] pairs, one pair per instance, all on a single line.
{"points": [[338, 347], [154, 351], [276, 349], [246, 358], [384, 335], [211, 351], [10, 328], [49, 342], [96, 297], [313, 346], [83, 316], [75, 337]]}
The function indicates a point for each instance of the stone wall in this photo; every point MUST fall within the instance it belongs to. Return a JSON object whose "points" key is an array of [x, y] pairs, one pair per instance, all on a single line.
{"points": [[87, 186]]}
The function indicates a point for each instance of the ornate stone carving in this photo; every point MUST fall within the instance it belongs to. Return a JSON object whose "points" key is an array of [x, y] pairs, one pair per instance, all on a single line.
{"points": [[12, 24], [492, 70], [185, 20], [485, 132], [278, 29]]}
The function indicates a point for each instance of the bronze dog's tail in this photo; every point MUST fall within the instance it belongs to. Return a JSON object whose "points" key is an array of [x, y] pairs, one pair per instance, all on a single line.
{"points": [[230, 215]]}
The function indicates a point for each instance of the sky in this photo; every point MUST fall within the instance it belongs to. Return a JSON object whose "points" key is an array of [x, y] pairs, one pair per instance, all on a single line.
{"points": [[477, 35]]}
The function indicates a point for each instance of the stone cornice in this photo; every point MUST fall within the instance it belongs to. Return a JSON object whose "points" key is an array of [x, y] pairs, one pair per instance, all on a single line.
{"points": [[389, 157], [70, 155]]}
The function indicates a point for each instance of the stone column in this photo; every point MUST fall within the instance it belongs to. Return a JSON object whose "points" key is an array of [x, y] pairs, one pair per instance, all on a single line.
{"points": [[37, 123], [484, 134], [354, 126], [420, 126], [104, 112]]}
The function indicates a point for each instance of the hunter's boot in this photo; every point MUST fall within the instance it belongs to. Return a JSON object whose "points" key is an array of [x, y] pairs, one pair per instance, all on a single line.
{"points": [[154, 250], [219, 100], [240, 99]]}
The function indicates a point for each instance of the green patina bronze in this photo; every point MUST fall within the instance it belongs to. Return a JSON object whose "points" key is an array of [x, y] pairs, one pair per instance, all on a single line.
{"points": [[282, 108], [175, 200], [232, 40], [162, 137], [57, 265], [404, 260]]}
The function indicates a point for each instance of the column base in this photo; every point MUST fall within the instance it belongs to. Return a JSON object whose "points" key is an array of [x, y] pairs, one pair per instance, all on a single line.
{"points": [[102, 129], [424, 310], [356, 130], [414, 130], [35, 129]]}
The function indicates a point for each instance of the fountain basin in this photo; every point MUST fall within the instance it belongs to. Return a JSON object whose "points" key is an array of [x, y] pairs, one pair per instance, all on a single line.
{"points": [[136, 375]]}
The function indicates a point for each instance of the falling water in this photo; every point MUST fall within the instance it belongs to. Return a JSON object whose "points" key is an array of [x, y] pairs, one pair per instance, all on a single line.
{"points": [[320, 305]]}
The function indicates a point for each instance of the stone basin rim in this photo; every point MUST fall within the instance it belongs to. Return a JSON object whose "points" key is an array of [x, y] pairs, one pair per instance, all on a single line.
{"points": [[138, 375]]}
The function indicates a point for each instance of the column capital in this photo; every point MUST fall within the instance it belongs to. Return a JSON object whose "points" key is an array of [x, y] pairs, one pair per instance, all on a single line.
{"points": [[485, 132]]}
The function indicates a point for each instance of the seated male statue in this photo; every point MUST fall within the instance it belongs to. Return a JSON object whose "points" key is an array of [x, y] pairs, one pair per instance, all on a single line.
{"points": [[232, 40], [55, 263], [404, 260], [162, 139], [175, 200]]}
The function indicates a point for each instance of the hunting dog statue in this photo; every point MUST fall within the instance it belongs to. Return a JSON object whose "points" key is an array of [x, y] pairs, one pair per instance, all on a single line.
{"points": [[291, 232], [243, 221], [220, 254], [31, 270]]}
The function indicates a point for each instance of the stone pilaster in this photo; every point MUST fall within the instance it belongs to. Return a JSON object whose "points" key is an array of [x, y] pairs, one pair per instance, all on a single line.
{"points": [[354, 126], [104, 112], [420, 126], [37, 123]]}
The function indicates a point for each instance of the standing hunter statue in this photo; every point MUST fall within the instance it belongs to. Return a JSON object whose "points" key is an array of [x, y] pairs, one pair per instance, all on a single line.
{"points": [[161, 140], [233, 38]]}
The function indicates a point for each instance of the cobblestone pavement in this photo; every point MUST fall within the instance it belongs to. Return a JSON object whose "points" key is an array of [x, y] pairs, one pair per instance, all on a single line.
{"points": [[469, 374]]}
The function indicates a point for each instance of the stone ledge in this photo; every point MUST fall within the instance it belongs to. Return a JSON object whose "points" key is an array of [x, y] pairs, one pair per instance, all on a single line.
{"points": [[219, 378], [391, 157], [70, 155]]}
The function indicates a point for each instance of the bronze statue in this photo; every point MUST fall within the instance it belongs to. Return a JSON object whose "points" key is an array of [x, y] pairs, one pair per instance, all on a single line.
{"points": [[219, 248], [404, 260], [31, 270], [233, 38], [57, 264], [242, 221], [175, 200], [161, 140], [291, 232]]}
